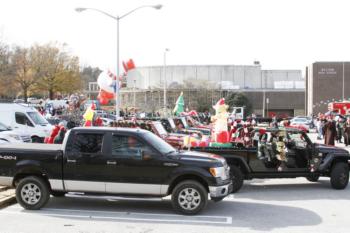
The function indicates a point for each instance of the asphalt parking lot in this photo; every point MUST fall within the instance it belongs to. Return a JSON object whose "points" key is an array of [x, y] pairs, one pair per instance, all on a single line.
{"points": [[280, 205]]}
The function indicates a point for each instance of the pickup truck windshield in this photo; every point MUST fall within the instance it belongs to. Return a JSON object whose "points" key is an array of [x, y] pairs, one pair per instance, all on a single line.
{"points": [[37, 118], [158, 143]]}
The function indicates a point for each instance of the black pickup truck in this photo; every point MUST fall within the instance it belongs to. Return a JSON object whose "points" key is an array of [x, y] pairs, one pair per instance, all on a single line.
{"points": [[113, 162], [302, 158]]}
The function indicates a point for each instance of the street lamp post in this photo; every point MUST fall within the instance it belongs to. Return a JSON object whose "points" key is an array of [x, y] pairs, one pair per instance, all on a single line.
{"points": [[134, 95], [118, 18], [165, 83]]}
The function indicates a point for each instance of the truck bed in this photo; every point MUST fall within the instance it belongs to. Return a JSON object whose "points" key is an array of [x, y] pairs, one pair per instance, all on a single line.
{"points": [[32, 147]]}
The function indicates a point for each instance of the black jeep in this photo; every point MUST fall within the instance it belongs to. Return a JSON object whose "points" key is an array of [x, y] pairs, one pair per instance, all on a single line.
{"points": [[284, 153]]}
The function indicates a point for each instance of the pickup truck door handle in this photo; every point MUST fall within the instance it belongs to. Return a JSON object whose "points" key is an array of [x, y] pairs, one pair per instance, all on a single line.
{"points": [[170, 164], [71, 161], [111, 162]]}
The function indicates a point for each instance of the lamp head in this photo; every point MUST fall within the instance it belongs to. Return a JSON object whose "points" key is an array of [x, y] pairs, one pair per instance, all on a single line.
{"points": [[80, 9]]}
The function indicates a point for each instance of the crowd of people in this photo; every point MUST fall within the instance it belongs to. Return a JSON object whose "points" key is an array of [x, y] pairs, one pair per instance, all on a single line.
{"points": [[333, 128]]}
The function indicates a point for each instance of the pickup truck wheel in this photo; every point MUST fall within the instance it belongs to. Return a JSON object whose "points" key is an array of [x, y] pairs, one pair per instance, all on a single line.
{"points": [[32, 193], [313, 178], [340, 175], [189, 197], [237, 178]]}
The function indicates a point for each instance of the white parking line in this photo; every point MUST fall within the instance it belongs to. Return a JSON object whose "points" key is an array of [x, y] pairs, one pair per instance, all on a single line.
{"points": [[122, 215]]}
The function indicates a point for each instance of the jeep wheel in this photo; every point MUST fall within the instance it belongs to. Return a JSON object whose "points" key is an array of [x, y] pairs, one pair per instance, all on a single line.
{"points": [[237, 178], [313, 178], [340, 175], [189, 197], [32, 193]]}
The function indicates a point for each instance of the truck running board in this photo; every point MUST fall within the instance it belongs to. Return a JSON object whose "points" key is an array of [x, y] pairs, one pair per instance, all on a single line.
{"points": [[113, 198]]}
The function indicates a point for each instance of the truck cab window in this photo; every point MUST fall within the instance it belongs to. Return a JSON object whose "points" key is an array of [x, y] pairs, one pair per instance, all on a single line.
{"points": [[86, 143], [128, 146], [22, 119]]}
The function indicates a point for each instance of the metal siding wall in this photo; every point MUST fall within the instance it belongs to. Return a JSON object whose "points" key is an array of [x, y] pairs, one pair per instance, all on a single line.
{"points": [[251, 77]]}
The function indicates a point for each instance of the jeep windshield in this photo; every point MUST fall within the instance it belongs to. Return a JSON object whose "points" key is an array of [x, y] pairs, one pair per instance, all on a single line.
{"points": [[159, 127], [159, 143]]}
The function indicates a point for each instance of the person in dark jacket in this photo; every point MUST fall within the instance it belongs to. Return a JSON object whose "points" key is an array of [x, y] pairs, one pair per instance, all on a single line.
{"points": [[347, 132], [330, 132], [340, 129]]}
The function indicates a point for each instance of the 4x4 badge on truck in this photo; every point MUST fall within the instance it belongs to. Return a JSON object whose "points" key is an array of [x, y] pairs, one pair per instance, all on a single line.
{"points": [[8, 157]]}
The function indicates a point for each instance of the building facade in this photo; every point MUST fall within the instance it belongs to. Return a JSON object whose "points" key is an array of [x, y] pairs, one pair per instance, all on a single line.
{"points": [[280, 92], [326, 82]]}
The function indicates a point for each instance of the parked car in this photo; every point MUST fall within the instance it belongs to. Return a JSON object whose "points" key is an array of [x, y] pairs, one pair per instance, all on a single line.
{"points": [[302, 123], [11, 136], [106, 121], [19, 101], [113, 161], [35, 101], [25, 119]]}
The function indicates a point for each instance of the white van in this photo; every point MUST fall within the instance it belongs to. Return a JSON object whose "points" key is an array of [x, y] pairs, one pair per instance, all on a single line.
{"points": [[25, 119]]}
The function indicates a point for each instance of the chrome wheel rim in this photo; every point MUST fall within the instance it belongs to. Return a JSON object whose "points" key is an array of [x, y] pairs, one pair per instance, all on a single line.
{"points": [[189, 199], [31, 194]]}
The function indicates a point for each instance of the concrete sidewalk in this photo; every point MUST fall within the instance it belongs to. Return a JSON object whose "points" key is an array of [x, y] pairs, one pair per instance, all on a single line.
{"points": [[7, 196]]}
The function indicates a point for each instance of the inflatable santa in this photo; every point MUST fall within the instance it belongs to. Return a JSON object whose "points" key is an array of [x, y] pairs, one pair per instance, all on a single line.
{"points": [[220, 133]]}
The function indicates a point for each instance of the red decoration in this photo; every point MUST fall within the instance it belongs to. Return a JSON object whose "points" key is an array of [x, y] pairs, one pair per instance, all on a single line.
{"points": [[53, 134]]}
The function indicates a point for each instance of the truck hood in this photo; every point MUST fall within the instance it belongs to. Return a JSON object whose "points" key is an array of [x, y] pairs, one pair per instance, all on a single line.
{"points": [[201, 156], [330, 149]]}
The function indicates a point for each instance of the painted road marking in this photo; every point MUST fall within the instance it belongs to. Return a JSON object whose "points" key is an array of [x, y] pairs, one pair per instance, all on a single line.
{"points": [[112, 215]]}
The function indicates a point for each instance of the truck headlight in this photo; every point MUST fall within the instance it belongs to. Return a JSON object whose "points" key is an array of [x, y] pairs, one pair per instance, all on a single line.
{"points": [[218, 172]]}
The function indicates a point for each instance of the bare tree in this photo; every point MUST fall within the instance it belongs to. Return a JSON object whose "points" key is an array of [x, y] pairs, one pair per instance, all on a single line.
{"points": [[23, 71], [57, 70]]}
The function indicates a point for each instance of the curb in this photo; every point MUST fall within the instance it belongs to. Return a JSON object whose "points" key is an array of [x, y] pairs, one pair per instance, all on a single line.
{"points": [[7, 197]]}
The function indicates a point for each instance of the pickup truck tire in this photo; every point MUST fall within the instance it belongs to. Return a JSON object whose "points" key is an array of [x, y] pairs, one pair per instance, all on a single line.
{"points": [[189, 197], [340, 175], [237, 178], [32, 193]]}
